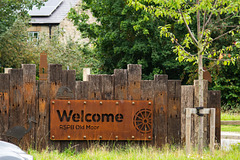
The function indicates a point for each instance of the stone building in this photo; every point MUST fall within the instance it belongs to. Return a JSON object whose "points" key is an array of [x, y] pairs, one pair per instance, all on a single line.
{"points": [[52, 19]]}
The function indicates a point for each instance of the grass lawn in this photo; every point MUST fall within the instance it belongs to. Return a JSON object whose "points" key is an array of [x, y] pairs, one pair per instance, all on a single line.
{"points": [[134, 153], [230, 117]]}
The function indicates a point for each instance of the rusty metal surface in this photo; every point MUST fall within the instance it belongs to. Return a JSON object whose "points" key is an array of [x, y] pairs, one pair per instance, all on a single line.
{"points": [[43, 66], [101, 120], [64, 93]]}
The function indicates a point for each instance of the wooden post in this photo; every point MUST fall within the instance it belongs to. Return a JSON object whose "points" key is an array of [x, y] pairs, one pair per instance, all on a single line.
{"points": [[199, 112], [16, 109], [42, 118], [134, 81], [55, 82], [6, 70], [86, 72], [160, 110], [29, 101], [174, 112], [214, 101], [120, 82], [4, 104], [187, 92], [212, 129], [188, 131], [202, 120]]}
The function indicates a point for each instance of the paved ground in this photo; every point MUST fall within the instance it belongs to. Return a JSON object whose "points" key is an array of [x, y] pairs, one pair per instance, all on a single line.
{"points": [[229, 138]]}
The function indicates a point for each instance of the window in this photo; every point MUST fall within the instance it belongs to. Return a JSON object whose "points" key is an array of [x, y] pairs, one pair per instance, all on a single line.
{"points": [[33, 36]]}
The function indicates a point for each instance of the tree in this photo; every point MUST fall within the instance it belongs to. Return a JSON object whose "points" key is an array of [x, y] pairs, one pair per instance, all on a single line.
{"points": [[18, 48], [198, 43], [11, 9], [121, 35]]}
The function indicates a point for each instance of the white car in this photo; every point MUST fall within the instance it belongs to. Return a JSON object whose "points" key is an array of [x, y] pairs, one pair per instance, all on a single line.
{"points": [[9, 151]]}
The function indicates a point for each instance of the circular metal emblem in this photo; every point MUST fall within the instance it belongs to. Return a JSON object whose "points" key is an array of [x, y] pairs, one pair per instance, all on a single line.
{"points": [[142, 121]]}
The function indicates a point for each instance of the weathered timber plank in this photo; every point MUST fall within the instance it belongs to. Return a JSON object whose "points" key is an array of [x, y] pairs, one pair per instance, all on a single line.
{"points": [[95, 87], [196, 118], [147, 93], [214, 101], [160, 110], [68, 79], [107, 87], [16, 109], [42, 118], [230, 122], [134, 81], [4, 104], [29, 102], [120, 84], [55, 82], [82, 88], [187, 92], [174, 112], [147, 90]]}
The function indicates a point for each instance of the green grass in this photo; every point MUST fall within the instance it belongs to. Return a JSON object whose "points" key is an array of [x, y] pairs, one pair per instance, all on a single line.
{"points": [[229, 116], [134, 153], [230, 128], [225, 116]]}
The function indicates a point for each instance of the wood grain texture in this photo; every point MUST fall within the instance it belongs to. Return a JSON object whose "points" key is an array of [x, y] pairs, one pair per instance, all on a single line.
{"points": [[134, 81], [120, 84], [16, 108], [160, 110], [4, 104], [195, 128], [214, 101], [187, 98], [29, 102], [174, 112]]}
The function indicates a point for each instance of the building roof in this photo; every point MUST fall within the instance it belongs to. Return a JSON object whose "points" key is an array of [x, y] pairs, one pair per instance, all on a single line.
{"points": [[54, 11]]}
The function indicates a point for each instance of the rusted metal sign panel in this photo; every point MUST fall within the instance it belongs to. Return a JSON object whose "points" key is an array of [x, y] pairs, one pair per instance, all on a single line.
{"points": [[101, 120]]}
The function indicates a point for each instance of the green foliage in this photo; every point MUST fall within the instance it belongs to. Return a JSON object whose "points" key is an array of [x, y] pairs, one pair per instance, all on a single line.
{"points": [[10, 10], [16, 48], [121, 35], [226, 79], [72, 54]]}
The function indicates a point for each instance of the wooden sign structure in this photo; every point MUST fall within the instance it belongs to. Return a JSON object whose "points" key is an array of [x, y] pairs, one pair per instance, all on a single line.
{"points": [[101, 120], [200, 112], [43, 67]]}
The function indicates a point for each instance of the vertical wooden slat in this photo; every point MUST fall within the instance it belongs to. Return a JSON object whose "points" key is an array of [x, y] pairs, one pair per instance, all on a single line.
{"points": [[188, 131], [214, 101], [160, 110], [16, 110], [55, 82], [42, 118], [174, 112], [212, 129], [68, 80], [107, 87], [29, 101], [147, 90], [4, 104], [134, 81], [82, 88], [95, 87], [120, 84], [187, 92], [196, 118]]}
